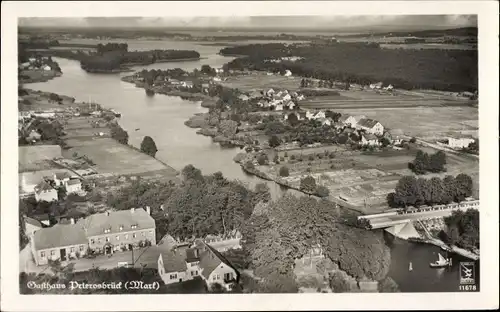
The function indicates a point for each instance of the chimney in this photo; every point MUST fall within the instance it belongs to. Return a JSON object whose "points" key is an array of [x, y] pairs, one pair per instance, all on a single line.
{"points": [[72, 220], [132, 210], [148, 210]]}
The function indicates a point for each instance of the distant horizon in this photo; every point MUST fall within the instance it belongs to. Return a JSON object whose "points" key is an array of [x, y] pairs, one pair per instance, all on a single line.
{"points": [[380, 23]]}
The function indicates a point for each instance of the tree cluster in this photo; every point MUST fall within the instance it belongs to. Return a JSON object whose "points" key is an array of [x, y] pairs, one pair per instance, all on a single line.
{"points": [[449, 70], [148, 146], [201, 205], [291, 226], [463, 228], [411, 191], [424, 162], [118, 133]]}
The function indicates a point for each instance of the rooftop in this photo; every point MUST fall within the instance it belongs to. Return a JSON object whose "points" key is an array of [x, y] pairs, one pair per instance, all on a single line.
{"points": [[43, 186], [367, 122], [210, 259], [59, 236], [117, 221]]}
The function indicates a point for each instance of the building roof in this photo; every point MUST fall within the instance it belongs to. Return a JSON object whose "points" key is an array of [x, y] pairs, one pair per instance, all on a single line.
{"points": [[174, 260], [62, 175], [343, 118], [41, 217], [74, 181], [59, 236], [43, 186], [210, 259], [367, 122], [191, 255], [33, 222], [96, 224]]}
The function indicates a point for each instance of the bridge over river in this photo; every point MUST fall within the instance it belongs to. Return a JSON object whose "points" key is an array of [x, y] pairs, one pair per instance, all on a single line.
{"points": [[400, 223]]}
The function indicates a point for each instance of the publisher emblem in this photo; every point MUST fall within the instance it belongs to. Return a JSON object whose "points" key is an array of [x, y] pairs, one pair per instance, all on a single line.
{"points": [[467, 273]]}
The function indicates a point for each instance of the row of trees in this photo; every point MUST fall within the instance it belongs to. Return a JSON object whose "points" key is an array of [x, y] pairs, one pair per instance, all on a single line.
{"points": [[290, 226], [118, 133], [411, 191], [450, 70], [424, 162], [201, 205]]}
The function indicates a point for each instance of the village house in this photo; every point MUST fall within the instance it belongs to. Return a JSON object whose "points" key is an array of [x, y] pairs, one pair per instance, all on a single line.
{"points": [[389, 88], [255, 95], [74, 186], [243, 97], [320, 115], [187, 84], [45, 192], [270, 92], [217, 79], [288, 73], [458, 142], [174, 82], [377, 85], [368, 139], [60, 242], [325, 121], [47, 68], [351, 120], [290, 104], [119, 230], [370, 125], [61, 178], [279, 107], [301, 97], [172, 264], [396, 136]]}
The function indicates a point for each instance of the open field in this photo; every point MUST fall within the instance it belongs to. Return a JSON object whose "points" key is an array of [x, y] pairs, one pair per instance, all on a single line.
{"points": [[261, 81], [428, 123], [37, 157], [114, 158], [37, 100]]}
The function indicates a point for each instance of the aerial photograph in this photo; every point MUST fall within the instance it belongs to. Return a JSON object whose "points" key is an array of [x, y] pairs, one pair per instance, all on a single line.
{"points": [[248, 154]]}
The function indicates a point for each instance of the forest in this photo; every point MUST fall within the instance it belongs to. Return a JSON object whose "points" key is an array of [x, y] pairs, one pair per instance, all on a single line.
{"points": [[363, 63], [287, 228]]}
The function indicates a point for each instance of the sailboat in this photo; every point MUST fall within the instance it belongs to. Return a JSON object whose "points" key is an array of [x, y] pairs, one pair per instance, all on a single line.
{"points": [[441, 262], [410, 268]]}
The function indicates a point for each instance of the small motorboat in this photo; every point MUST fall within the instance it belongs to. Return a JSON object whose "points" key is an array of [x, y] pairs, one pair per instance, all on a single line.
{"points": [[137, 129], [441, 262]]}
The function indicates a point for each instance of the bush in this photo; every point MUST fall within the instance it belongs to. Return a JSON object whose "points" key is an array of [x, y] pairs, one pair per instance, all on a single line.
{"points": [[311, 157], [413, 140], [262, 160], [291, 157], [322, 191], [284, 171]]}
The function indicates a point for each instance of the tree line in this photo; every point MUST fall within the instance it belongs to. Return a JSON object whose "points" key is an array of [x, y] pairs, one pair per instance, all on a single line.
{"points": [[448, 70], [463, 228], [424, 162], [411, 191]]}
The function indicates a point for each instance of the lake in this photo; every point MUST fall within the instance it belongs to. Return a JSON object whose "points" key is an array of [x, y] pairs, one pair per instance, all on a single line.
{"points": [[162, 117]]}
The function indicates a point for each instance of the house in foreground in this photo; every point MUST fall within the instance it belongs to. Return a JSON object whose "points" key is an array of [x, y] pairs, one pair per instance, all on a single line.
{"points": [[60, 242], [371, 126], [45, 192]]}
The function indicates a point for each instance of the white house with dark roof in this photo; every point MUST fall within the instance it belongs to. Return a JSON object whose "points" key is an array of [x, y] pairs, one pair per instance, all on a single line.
{"points": [[60, 242], [61, 178], [370, 125], [74, 186], [45, 192], [351, 120], [368, 139], [119, 230]]}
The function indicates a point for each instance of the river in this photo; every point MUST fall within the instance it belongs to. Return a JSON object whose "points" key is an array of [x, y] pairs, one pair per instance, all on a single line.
{"points": [[162, 117]]}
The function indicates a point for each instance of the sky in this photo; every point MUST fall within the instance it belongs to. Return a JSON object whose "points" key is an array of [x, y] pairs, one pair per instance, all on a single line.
{"points": [[392, 22]]}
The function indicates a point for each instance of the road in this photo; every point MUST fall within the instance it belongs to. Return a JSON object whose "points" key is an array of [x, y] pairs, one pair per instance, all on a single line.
{"points": [[379, 222]]}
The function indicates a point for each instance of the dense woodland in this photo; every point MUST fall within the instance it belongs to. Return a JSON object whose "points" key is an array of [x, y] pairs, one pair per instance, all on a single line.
{"points": [[112, 56], [286, 229], [365, 63], [463, 228]]}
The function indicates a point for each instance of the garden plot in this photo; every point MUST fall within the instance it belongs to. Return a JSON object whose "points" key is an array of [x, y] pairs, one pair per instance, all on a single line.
{"points": [[261, 81], [37, 157]]}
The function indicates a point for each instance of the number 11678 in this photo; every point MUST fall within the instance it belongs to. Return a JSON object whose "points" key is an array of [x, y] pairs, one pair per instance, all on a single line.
{"points": [[467, 288]]}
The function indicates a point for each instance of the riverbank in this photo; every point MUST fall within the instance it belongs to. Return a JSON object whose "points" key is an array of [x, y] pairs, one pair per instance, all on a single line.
{"points": [[38, 75]]}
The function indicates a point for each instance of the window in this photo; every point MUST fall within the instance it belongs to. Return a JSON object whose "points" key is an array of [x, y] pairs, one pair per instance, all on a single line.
{"points": [[82, 247], [52, 252], [218, 277], [107, 239], [42, 254], [150, 232], [228, 276], [117, 237], [134, 235], [72, 249], [173, 276]]}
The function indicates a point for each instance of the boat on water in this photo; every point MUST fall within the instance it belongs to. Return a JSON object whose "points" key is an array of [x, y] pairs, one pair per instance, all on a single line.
{"points": [[441, 262], [410, 268]]}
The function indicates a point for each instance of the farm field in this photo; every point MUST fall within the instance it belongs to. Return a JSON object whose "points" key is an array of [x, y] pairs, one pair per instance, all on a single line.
{"points": [[261, 81], [362, 179], [113, 158], [37, 157], [428, 123]]}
